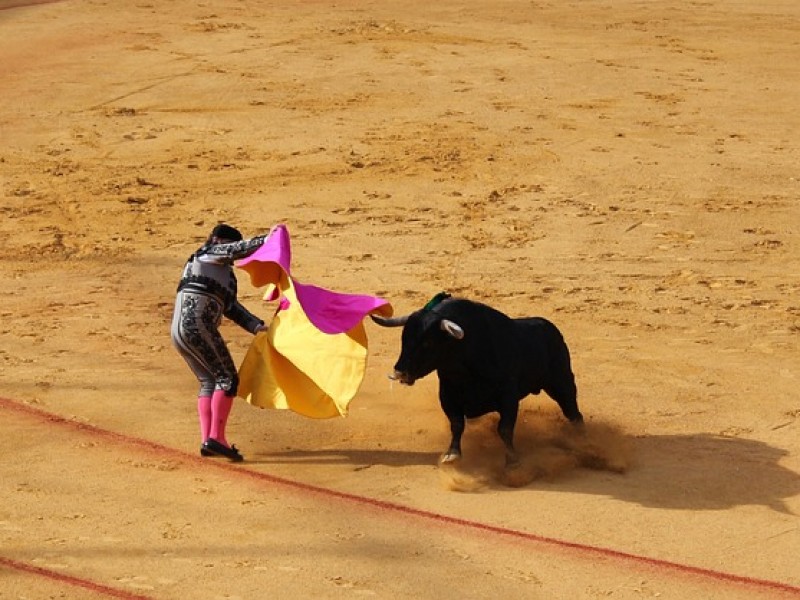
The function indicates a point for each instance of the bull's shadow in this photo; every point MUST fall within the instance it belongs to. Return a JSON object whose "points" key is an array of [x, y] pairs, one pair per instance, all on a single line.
{"points": [[700, 471], [697, 472]]}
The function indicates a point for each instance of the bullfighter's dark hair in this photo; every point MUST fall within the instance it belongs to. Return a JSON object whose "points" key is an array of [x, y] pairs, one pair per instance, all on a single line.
{"points": [[224, 231], [436, 300]]}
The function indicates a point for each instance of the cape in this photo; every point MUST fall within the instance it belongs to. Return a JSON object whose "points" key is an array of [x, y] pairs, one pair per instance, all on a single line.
{"points": [[313, 358]]}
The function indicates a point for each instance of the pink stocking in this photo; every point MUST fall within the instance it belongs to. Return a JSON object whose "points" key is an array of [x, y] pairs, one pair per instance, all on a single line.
{"points": [[220, 409], [204, 412]]}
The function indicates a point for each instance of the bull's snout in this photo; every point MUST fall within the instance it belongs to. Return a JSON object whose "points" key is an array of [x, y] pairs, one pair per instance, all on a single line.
{"points": [[402, 377]]}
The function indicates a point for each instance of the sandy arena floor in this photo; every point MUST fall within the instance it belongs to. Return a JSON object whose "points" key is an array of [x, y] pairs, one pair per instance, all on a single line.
{"points": [[628, 170]]}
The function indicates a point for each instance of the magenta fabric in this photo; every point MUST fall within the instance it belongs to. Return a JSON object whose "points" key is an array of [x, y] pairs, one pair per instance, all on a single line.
{"points": [[221, 405], [330, 312], [204, 414]]}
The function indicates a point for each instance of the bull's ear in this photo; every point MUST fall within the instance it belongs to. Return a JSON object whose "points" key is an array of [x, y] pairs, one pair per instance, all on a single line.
{"points": [[452, 329]]}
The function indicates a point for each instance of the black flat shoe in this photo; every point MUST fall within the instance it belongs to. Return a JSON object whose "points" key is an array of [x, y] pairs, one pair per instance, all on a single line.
{"points": [[204, 451], [213, 447]]}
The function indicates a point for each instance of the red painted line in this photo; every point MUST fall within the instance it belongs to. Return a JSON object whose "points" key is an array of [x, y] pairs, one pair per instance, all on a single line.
{"points": [[585, 549], [8, 4], [69, 579]]}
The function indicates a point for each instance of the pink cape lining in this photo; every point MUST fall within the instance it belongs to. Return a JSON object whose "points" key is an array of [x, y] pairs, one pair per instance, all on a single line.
{"points": [[330, 312]]}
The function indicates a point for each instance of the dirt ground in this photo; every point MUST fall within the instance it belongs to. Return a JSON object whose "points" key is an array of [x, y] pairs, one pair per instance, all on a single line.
{"points": [[628, 170]]}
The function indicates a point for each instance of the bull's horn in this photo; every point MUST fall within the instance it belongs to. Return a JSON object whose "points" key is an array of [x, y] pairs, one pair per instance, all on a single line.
{"points": [[390, 321], [452, 329]]}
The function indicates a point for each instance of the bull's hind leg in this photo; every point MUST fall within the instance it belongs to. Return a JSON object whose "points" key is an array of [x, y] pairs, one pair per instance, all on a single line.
{"points": [[505, 429], [565, 393]]}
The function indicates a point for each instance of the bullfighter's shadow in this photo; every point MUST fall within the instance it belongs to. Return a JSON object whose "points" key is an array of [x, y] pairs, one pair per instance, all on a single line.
{"points": [[360, 459]]}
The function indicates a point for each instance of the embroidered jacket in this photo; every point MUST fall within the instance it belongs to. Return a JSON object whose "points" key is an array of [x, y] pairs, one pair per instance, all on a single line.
{"points": [[209, 271]]}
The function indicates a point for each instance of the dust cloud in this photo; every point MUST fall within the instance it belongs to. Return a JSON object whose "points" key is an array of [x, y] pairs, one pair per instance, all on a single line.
{"points": [[549, 447]]}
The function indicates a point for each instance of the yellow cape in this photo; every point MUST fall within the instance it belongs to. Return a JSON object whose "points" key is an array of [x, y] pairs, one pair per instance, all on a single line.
{"points": [[296, 366]]}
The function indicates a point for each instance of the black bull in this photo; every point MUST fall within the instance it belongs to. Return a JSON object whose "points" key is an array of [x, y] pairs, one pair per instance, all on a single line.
{"points": [[486, 362]]}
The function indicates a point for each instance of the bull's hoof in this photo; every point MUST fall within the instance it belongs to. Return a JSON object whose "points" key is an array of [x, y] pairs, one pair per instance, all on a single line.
{"points": [[578, 426], [449, 458]]}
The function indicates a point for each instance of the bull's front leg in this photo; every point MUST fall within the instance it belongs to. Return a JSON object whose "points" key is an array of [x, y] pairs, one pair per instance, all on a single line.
{"points": [[457, 424], [505, 429], [452, 403]]}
